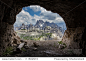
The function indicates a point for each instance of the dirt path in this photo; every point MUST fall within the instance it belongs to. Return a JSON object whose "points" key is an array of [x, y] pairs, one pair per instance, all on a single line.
{"points": [[44, 49]]}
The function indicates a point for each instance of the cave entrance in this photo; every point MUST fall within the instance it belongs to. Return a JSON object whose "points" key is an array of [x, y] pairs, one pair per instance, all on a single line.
{"points": [[38, 24], [40, 27]]}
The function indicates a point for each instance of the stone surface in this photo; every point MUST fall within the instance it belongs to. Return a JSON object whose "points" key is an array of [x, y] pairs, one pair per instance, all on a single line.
{"points": [[35, 49], [72, 11], [73, 37], [35, 44], [8, 37]]}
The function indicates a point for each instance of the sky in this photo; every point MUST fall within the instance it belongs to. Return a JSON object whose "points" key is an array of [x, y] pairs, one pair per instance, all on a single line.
{"points": [[31, 14]]}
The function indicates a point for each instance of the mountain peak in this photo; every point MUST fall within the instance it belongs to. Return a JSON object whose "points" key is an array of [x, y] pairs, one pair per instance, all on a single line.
{"points": [[40, 21], [46, 23]]}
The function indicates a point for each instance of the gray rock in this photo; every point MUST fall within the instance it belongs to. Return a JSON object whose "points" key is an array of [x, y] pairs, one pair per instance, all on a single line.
{"points": [[35, 49]]}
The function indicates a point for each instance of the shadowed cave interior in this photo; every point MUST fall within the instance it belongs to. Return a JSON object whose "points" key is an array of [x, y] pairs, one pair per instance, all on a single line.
{"points": [[74, 36]]}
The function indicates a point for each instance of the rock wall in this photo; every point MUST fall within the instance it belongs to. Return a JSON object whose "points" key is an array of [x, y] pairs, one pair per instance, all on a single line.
{"points": [[72, 11], [83, 42], [73, 37], [8, 37], [5, 36]]}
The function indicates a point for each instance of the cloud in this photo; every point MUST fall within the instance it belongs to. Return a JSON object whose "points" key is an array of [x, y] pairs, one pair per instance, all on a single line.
{"points": [[36, 8], [23, 17], [26, 18], [44, 13]]}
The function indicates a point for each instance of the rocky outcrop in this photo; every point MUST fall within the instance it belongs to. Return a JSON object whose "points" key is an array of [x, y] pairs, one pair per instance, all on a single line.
{"points": [[8, 37], [6, 31], [15, 39], [73, 37], [72, 11]]}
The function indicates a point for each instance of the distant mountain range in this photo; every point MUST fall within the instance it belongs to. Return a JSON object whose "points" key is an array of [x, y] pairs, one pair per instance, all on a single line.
{"points": [[41, 24], [44, 24]]}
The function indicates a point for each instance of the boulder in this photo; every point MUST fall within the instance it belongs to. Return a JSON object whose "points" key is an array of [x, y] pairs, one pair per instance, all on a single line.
{"points": [[35, 44]]}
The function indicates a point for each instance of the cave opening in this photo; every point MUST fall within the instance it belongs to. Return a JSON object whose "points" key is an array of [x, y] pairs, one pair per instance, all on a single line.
{"points": [[40, 27], [36, 23]]}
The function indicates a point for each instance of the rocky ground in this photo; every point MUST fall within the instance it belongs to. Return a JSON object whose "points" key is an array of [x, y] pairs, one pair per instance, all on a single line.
{"points": [[43, 49]]}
